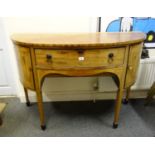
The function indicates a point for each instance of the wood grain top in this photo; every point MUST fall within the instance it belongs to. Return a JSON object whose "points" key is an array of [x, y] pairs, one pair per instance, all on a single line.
{"points": [[78, 40]]}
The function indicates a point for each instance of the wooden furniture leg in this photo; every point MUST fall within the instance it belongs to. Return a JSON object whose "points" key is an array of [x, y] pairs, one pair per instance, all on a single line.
{"points": [[2, 107], [118, 106], [150, 94], [27, 98], [126, 100], [41, 110], [1, 122]]}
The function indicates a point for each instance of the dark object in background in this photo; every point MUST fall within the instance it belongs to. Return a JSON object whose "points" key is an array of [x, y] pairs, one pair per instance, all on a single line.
{"points": [[145, 54], [150, 37]]}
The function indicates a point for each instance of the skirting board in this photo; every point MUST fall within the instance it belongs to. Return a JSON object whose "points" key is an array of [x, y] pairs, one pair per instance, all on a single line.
{"points": [[81, 96]]}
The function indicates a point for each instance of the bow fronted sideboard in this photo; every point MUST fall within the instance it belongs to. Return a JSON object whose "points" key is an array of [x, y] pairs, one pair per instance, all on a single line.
{"points": [[78, 55]]}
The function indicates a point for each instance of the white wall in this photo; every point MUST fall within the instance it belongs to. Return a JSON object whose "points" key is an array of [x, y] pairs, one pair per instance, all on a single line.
{"points": [[48, 24], [7, 83]]}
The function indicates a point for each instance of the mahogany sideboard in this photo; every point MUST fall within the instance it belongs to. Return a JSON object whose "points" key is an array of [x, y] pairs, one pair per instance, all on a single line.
{"points": [[78, 55]]}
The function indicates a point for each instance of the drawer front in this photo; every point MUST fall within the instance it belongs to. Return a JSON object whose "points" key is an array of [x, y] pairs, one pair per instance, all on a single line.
{"points": [[74, 58]]}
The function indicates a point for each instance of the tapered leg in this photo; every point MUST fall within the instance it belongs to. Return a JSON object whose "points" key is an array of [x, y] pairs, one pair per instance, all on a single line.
{"points": [[118, 106], [41, 110], [27, 98], [126, 100], [1, 122]]}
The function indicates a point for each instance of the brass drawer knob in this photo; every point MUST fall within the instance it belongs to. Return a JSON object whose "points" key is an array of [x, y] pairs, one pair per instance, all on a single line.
{"points": [[49, 57], [111, 55]]}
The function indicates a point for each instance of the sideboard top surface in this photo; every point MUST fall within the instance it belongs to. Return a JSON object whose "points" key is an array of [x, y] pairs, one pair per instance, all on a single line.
{"points": [[78, 40]]}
